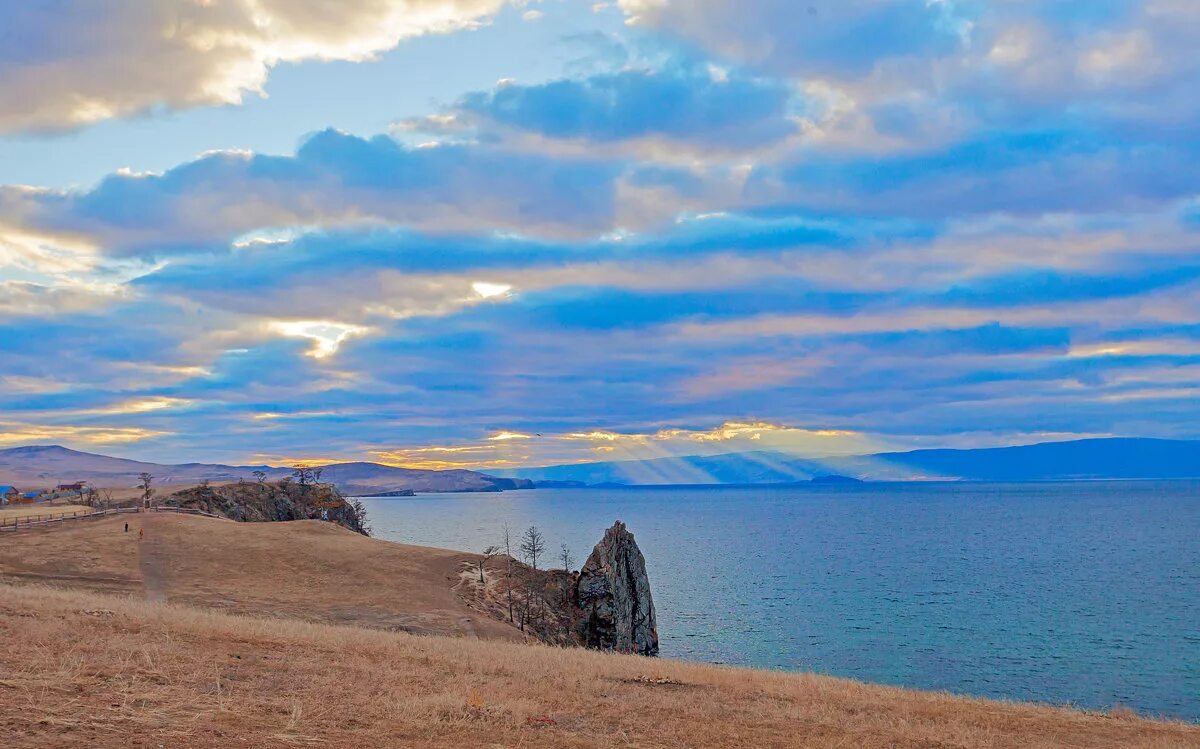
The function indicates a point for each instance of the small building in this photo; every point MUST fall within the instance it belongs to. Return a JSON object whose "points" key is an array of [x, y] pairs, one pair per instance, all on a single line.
{"points": [[76, 487], [8, 493]]}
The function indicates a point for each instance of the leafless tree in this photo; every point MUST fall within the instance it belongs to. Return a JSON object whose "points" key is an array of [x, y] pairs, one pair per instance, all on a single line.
{"points": [[564, 556], [106, 497], [533, 545], [568, 563], [359, 510], [303, 474], [261, 476], [145, 480], [508, 583], [488, 553], [89, 495], [316, 474]]}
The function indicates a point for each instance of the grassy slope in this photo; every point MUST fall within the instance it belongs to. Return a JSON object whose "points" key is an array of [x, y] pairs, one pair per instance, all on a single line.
{"points": [[306, 569], [81, 668]]}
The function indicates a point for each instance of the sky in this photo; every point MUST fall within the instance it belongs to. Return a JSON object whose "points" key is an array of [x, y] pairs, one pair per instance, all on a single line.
{"points": [[499, 233]]}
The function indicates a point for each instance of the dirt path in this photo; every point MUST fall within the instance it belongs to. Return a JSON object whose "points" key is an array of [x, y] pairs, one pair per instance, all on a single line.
{"points": [[150, 562]]}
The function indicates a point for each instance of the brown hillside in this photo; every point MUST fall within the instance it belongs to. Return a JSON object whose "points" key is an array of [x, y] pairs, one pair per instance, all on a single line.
{"points": [[112, 673], [308, 570]]}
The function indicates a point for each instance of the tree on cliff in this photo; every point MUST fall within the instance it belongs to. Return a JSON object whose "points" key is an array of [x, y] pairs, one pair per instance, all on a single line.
{"points": [[533, 545], [488, 553], [508, 581], [568, 561], [261, 476], [303, 474]]}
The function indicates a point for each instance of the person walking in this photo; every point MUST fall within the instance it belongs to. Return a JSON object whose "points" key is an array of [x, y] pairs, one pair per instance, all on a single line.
{"points": [[127, 527], [141, 533]]}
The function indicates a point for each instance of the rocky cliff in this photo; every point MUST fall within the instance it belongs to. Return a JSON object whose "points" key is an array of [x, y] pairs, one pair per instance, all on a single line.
{"points": [[606, 605], [271, 501], [613, 595]]}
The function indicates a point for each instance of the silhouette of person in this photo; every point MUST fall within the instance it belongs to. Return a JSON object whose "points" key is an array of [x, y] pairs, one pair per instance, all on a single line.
{"points": [[127, 527]]}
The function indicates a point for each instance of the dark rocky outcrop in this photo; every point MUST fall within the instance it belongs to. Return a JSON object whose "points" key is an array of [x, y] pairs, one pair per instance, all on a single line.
{"points": [[613, 594], [273, 501]]}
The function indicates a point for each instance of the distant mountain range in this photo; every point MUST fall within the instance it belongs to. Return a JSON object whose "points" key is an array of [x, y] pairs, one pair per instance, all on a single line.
{"points": [[1115, 458], [44, 466]]}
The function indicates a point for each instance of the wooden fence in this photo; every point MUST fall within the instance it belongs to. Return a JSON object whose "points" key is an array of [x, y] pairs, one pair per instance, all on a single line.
{"points": [[50, 518]]}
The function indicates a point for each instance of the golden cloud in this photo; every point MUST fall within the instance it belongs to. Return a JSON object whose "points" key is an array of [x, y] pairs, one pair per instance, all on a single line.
{"points": [[16, 433]]}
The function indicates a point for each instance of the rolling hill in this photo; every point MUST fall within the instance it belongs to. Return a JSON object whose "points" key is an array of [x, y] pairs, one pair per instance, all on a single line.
{"points": [[44, 466]]}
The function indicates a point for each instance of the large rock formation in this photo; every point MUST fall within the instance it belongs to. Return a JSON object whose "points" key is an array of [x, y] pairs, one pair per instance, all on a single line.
{"points": [[272, 501], [613, 593]]}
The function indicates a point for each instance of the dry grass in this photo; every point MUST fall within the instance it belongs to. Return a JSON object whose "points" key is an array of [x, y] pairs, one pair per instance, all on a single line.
{"points": [[306, 569], [46, 511], [83, 667], [104, 671]]}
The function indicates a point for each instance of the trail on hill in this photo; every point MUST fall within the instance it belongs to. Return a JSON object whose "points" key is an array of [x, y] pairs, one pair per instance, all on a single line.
{"points": [[150, 564]]}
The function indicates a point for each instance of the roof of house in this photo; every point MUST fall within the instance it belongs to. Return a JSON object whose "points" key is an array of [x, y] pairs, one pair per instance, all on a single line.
{"points": [[6, 489]]}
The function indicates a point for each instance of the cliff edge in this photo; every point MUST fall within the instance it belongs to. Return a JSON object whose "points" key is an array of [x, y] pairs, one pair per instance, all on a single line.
{"points": [[273, 501]]}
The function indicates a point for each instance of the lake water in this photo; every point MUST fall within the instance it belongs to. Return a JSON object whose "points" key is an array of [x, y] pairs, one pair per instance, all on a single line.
{"points": [[1084, 593]]}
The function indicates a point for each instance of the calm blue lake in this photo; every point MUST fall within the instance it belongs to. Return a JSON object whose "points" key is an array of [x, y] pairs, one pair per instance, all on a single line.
{"points": [[1084, 593]]}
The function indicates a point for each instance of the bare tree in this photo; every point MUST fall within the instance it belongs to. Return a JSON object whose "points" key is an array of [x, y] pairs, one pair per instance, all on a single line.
{"points": [[564, 556], [145, 480], [303, 474], [488, 553], [508, 569], [89, 495], [568, 563], [316, 474], [533, 545], [106, 498], [261, 476], [358, 509]]}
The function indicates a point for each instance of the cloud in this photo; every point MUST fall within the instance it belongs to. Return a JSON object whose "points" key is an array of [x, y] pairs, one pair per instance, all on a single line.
{"points": [[334, 179], [326, 335], [82, 61], [980, 226], [1125, 60], [812, 37], [678, 102], [19, 433]]}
